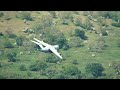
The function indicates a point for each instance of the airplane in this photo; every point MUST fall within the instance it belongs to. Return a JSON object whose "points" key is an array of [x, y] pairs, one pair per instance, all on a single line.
{"points": [[47, 47]]}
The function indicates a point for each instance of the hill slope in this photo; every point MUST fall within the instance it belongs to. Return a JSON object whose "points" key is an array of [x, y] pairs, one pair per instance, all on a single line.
{"points": [[101, 43]]}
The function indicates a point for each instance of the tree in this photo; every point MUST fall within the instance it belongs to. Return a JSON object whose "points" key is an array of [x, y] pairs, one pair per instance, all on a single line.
{"points": [[116, 24], [38, 65], [96, 69], [80, 33], [71, 71], [19, 41], [54, 36], [51, 58], [12, 57], [62, 42]]}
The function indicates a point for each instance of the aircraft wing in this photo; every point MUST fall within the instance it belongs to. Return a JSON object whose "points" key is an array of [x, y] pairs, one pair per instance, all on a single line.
{"points": [[55, 52], [43, 43], [35, 42]]}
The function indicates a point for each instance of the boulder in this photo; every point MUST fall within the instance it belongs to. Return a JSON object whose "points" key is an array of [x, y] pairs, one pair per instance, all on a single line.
{"points": [[93, 55]]}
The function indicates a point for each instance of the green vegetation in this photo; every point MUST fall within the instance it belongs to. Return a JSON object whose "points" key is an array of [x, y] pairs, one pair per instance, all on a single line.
{"points": [[80, 33], [12, 57], [1, 14], [8, 45], [12, 36], [19, 41], [95, 69], [72, 72], [98, 46], [75, 42], [24, 15], [89, 43], [51, 59], [39, 65], [23, 68], [1, 34]]}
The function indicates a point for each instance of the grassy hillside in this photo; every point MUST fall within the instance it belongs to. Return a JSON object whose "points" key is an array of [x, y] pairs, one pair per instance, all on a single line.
{"points": [[95, 48]]}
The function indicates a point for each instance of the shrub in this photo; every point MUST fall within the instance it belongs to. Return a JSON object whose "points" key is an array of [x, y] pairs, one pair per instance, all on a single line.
{"points": [[71, 70], [104, 33], [1, 14], [51, 59], [19, 41], [12, 57], [118, 42], [65, 22], [8, 45], [78, 23], [95, 69], [66, 47], [75, 62], [116, 24], [75, 42], [23, 68], [98, 46], [0, 64], [12, 36], [2, 77], [29, 74], [51, 73], [62, 42], [80, 33], [116, 66], [59, 76], [39, 65], [95, 48], [111, 14], [24, 15], [1, 34]]}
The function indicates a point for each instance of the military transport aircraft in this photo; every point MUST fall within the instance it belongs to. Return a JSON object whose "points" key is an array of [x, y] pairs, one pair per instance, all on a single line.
{"points": [[47, 47]]}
